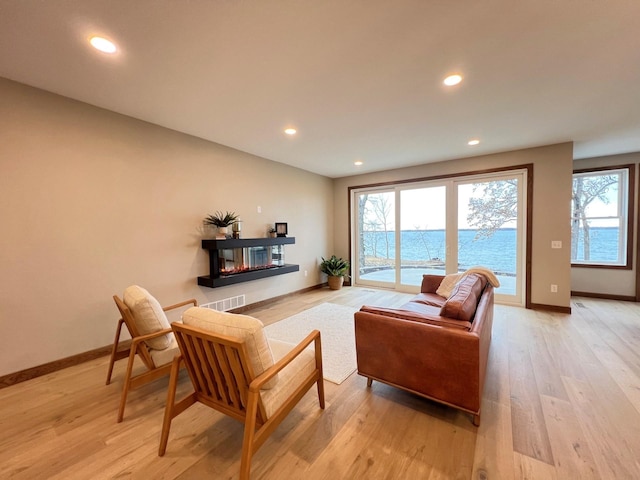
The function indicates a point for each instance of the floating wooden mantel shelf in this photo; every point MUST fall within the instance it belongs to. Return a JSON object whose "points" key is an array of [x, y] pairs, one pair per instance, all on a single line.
{"points": [[238, 260]]}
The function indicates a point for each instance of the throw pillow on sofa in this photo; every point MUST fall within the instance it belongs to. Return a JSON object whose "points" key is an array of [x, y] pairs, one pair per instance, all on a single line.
{"points": [[448, 284]]}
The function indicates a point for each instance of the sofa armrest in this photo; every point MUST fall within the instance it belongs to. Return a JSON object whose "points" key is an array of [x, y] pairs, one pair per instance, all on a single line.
{"points": [[483, 326], [437, 362], [430, 283]]}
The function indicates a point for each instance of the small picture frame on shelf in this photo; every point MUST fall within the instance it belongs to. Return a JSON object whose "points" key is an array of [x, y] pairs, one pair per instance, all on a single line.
{"points": [[281, 229]]}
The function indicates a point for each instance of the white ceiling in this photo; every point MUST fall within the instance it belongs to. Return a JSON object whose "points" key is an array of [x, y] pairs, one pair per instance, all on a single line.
{"points": [[359, 79]]}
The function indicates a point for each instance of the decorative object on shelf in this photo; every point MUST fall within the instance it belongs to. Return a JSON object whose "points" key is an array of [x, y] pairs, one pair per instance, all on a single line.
{"points": [[222, 220], [237, 228], [272, 232], [281, 229], [336, 269], [208, 230]]}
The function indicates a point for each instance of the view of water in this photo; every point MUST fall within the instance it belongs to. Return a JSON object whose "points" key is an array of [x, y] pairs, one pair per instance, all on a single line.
{"points": [[497, 252], [603, 244]]}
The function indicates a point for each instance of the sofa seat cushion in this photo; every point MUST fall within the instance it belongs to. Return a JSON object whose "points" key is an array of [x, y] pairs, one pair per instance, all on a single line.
{"points": [[463, 300], [420, 313], [429, 299]]}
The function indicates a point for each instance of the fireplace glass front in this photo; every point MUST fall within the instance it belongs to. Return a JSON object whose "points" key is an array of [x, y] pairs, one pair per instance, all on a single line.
{"points": [[239, 260]]}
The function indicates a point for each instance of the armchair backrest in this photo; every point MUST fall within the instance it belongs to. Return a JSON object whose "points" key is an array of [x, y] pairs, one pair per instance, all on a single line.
{"points": [[130, 323], [147, 316], [239, 327], [219, 369]]}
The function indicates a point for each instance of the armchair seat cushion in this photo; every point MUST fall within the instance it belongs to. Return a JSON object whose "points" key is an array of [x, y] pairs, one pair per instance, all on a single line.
{"points": [[148, 316], [290, 377], [243, 327], [162, 357]]}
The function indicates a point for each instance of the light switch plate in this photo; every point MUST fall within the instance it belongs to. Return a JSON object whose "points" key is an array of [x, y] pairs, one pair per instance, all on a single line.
{"points": [[556, 244]]}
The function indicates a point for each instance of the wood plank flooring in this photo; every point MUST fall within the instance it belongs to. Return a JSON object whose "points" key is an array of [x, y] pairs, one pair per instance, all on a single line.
{"points": [[562, 401]]}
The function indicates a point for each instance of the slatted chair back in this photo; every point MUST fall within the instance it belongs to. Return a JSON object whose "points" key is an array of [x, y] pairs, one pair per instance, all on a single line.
{"points": [[219, 369]]}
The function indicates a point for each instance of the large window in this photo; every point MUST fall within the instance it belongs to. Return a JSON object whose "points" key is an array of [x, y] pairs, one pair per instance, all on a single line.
{"points": [[441, 226], [600, 217]]}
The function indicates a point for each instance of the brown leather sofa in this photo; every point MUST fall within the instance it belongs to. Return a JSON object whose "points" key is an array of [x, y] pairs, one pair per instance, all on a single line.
{"points": [[432, 346]]}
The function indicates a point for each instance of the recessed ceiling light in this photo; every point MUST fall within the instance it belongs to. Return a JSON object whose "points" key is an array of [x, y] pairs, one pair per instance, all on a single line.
{"points": [[452, 80], [358, 162], [290, 131], [474, 141], [103, 44]]}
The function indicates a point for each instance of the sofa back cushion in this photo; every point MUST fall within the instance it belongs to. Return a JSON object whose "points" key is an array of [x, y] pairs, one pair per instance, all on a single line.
{"points": [[464, 297]]}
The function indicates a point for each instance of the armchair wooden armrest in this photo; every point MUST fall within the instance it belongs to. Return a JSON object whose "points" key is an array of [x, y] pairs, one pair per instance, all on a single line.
{"points": [[268, 374], [138, 340], [192, 301]]}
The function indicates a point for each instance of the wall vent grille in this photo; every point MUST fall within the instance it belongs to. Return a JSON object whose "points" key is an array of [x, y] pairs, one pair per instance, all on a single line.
{"points": [[226, 303]]}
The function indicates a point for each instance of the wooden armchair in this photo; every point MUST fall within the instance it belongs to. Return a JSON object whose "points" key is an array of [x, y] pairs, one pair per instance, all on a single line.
{"points": [[232, 369], [151, 339]]}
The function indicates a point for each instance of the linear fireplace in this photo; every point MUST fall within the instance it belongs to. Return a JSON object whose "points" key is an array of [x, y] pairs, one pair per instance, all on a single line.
{"points": [[244, 259]]}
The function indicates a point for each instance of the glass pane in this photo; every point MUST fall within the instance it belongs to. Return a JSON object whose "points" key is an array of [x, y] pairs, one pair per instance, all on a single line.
{"points": [[487, 229], [598, 233], [376, 226], [596, 241], [595, 196], [422, 233]]}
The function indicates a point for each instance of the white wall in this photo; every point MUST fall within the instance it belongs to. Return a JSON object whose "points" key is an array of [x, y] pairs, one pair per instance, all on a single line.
{"points": [[92, 201], [551, 209], [602, 280]]}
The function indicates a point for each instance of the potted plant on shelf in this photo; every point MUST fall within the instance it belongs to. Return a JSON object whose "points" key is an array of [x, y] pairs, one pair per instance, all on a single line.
{"points": [[336, 269], [272, 232], [222, 221]]}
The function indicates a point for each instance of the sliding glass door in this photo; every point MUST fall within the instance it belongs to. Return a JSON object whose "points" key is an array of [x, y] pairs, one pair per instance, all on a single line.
{"points": [[376, 233], [422, 233], [441, 227], [490, 231]]}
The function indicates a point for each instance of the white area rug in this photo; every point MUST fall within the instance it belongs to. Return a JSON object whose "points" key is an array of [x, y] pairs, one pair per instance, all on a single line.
{"points": [[337, 334]]}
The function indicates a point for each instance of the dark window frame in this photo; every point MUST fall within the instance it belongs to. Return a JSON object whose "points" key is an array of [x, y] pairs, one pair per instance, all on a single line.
{"points": [[631, 175]]}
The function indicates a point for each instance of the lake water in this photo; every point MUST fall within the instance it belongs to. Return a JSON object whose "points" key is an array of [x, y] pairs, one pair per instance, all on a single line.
{"points": [[497, 252]]}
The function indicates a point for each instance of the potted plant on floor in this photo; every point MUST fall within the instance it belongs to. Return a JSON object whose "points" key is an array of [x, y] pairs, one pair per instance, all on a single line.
{"points": [[336, 269], [222, 221]]}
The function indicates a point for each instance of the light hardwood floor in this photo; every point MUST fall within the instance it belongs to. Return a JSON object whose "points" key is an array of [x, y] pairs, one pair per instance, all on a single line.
{"points": [[562, 401]]}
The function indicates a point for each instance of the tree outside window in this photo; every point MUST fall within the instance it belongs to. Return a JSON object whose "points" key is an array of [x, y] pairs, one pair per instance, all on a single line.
{"points": [[599, 217]]}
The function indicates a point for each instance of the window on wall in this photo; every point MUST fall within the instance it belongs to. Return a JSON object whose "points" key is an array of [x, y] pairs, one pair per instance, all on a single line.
{"points": [[601, 216], [440, 226]]}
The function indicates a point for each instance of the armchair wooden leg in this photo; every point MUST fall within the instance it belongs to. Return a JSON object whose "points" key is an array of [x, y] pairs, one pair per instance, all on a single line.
{"points": [[127, 382], [369, 381], [249, 435], [321, 392], [169, 408], [114, 350], [318, 350]]}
